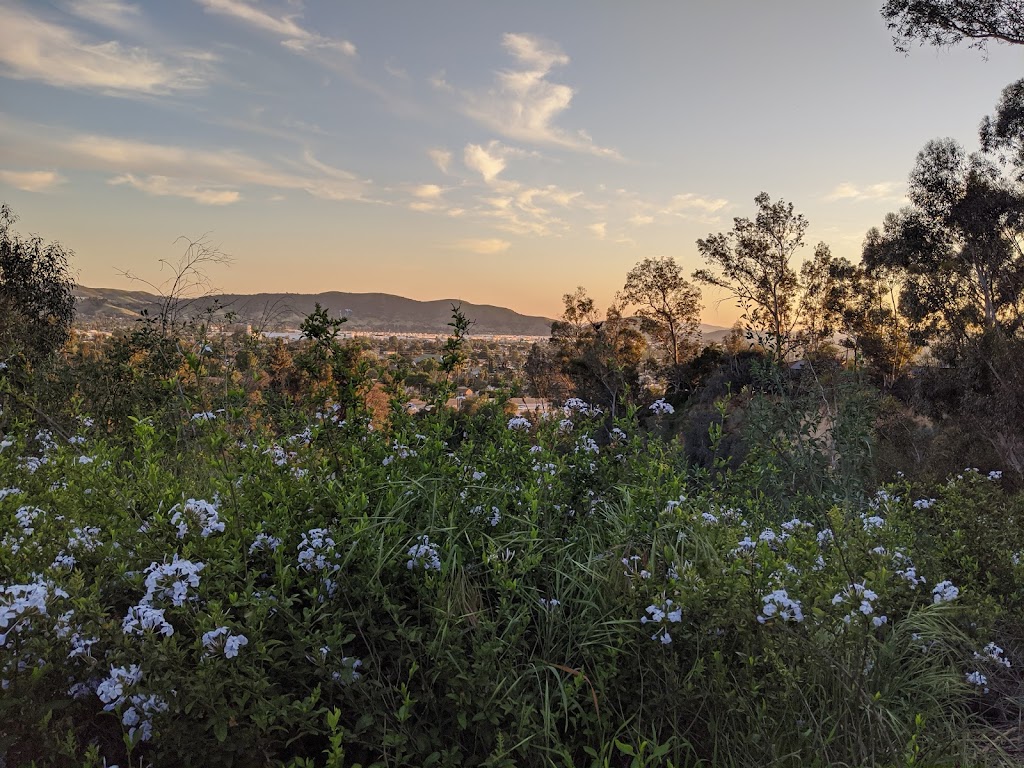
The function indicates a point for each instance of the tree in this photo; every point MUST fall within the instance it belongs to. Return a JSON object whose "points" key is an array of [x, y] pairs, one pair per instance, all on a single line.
{"points": [[601, 357], [949, 22], [957, 248], [669, 306], [819, 300], [37, 305], [753, 262], [1002, 134]]}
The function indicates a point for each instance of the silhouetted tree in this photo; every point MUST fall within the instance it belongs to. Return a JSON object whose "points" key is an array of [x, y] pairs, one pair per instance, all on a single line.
{"points": [[753, 265], [957, 247], [37, 306], [669, 306], [949, 22]]}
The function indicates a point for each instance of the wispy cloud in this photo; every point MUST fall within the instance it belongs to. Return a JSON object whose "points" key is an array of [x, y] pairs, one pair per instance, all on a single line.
{"points": [[204, 175], [296, 37], [890, 191], [523, 104], [600, 229], [488, 162], [32, 181], [689, 202], [428, 191], [32, 48], [113, 14], [442, 158], [163, 186], [484, 247], [640, 220]]}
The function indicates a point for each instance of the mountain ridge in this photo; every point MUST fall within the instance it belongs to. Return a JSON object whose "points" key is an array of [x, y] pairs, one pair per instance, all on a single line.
{"points": [[273, 311]]}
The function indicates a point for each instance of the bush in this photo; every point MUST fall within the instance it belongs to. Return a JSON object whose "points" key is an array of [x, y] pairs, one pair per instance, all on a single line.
{"points": [[480, 591]]}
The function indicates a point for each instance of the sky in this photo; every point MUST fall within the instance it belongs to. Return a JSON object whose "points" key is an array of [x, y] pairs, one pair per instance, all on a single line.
{"points": [[499, 153]]}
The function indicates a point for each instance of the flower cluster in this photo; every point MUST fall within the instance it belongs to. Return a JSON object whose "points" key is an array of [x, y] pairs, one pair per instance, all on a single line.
{"points": [[316, 551], [864, 599], [576, 405], [661, 408], [264, 542], [662, 615], [520, 423], [993, 652], [201, 513], [945, 592], [145, 617], [424, 555], [778, 604], [493, 516], [138, 716], [19, 601], [221, 639], [399, 451], [171, 581], [977, 679]]}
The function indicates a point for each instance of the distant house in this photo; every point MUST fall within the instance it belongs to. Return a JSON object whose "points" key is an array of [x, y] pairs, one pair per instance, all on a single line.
{"points": [[534, 405]]}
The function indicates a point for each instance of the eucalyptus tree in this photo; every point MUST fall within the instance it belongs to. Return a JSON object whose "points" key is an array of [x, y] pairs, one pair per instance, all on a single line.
{"points": [[949, 22], [753, 264], [957, 247], [667, 305]]}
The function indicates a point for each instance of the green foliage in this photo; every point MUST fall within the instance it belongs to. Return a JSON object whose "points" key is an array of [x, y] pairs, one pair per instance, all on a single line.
{"points": [[36, 303], [493, 595]]}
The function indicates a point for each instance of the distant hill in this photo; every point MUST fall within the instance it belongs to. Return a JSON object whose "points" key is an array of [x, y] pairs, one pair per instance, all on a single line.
{"points": [[107, 307]]}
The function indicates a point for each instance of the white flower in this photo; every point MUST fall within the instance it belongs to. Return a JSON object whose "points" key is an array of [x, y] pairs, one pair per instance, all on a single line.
{"points": [[662, 614], [994, 653], [181, 574], [232, 644], [873, 522], [779, 603], [144, 617], [424, 555], [264, 541], [944, 592], [520, 423], [199, 511], [661, 408], [977, 679]]}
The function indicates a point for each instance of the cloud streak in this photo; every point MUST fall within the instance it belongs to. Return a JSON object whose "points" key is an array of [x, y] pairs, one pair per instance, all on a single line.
{"points": [[32, 181], [207, 176], [483, 247], [889, 191], [32, 48], [163, 186], [296, 37]]}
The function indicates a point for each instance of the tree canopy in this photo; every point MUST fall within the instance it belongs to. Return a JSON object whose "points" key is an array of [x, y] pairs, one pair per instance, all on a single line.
{"points": [[753, 265], [36, 301], [958, 246], [669, 306], [949, 22]]}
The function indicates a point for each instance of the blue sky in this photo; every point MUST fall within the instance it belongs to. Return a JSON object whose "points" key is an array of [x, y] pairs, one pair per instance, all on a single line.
{"points": [[500, 153]]}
